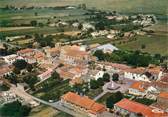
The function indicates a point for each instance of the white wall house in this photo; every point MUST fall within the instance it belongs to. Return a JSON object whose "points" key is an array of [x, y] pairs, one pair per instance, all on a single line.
{"points": [[99, 75], [137, 92], [136, 76], [11, 58]]}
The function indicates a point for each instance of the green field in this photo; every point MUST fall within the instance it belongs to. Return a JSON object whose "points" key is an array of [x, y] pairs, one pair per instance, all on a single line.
{"points": [[154, 44], [142, 6]]}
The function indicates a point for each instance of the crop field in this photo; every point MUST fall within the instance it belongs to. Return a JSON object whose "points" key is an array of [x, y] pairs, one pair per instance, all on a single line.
{"points": [[42, 110], [154, 44], [145, 6]]}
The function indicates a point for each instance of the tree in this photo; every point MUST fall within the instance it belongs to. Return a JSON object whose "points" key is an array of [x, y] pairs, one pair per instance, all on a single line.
{"points": [[80, 26], [94, 84], [16, 70], [100, 81], [114, 98], [143, 46], [29, 67], [36, 14], [20, 64], [115, 77], [106, 77], [31, 81], [14, 109], [99, 54], [33, 23], [55, 76], [118, 96], [109, 102]]}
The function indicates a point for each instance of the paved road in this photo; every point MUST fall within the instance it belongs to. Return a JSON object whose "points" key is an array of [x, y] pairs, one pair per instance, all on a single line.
{"points": [[100, 95], [57, 105]]}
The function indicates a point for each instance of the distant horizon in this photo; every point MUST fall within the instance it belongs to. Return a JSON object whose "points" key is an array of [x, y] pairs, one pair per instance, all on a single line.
{"points": [[150, 6]]}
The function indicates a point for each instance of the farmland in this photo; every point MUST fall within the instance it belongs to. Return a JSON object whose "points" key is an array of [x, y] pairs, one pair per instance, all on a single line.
{"points": [[149, 6], [154, 44], [157, 40]]}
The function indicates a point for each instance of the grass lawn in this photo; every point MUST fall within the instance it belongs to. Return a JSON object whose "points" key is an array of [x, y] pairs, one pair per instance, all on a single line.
{"points": [[62, 114], [103, 99], [42, 111], [52, 90], [154, 44], [94, 92], [97, 40]]}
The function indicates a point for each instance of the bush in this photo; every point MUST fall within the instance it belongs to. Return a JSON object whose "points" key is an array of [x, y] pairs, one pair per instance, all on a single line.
{"points": [[115, 77], [14, 109], [94, 84], [106, 77]]}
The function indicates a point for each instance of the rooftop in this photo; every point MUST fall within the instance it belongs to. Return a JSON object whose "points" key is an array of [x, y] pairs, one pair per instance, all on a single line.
{"points": [[138, 85], [23, 51], [135, 107], [84, 102], [163, 95], [74, 51]]}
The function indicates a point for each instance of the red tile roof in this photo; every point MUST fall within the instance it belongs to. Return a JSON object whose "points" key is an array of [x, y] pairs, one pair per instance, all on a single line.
{"points": [[163, 95], [135, 107], [138, 85], [84, 102], [27, 50]]}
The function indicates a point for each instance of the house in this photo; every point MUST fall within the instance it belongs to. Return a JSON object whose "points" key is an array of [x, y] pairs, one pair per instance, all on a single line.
{"points": [[45, 75], [144, 89], [82, 104], [62, 23], [14, 38], [52, 52], [26, 52], [107, 48], [164, 78], [110, 36], [162, 101], [7, 97], [5, 70], [74, 55], [71, 72], [12, 58], [126, 107], [75, 24], [98, 74], [76, 81], [87, 26], [30, 59], [156, 72], [136, 74], [137, 89], [39, 57], [116, 67]]}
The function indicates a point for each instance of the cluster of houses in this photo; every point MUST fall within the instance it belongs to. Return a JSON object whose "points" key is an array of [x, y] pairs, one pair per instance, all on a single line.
{"points": [[7, 97], [72, 62], [109, 34]]}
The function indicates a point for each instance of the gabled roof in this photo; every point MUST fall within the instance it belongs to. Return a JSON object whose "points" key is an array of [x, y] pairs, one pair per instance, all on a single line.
{"points": [[84, 102], [107, 47], [135, 107], [138, 86]]}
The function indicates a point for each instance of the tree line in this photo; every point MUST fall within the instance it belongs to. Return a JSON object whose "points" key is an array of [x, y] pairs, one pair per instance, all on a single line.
{"points": [[133, 58]]}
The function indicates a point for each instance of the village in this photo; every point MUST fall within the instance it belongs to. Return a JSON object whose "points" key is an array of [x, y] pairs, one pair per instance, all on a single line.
{"points": [[72, 72]]}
